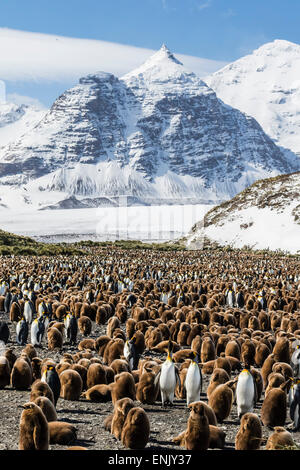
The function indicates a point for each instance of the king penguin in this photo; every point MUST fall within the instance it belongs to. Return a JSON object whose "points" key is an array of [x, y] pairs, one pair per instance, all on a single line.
{"points": [[130, 353], [294, 400], [28, 310], [295, 360], [22, 332], [71, 328], [167, 378], [51, 377], [193, 380], [37, 331], [245, 392]]}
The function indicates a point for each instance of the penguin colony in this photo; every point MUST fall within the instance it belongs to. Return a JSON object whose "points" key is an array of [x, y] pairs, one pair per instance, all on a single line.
{"points": [[212, 337]]}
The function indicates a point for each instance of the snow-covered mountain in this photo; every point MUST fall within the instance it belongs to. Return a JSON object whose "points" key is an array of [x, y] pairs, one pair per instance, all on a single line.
{"points": [[266, 85], [159, 134], [264, 216], [16, 120]]}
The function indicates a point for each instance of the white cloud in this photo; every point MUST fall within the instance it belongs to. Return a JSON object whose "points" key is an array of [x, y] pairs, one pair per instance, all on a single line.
{"points": [[202, 5], [37, 57], [21, 99]]}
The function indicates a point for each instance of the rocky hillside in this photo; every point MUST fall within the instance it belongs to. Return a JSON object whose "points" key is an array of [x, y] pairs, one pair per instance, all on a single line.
{"points": [[264, 216], [159, 134]]}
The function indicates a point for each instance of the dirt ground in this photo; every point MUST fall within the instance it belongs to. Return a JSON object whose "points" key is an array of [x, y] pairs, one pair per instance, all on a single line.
{"points": [[88, 417]]}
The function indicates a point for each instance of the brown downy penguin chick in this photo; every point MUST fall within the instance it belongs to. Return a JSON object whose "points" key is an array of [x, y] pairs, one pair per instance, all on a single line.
{"points": [[273, 410], [196, 436], [34, 431], [87, 344], [82, 371], [163, 347], [249, 435], [110, 375], [36, 365], [274, 380], [183, 334], [223, 363], [180, 390], [130, 327], [197, 432], [267, 368], [62, 433], [196, 344], [248, 352], [4, 372], [280, 439], [47, 408], [233, 349], [284, 369], [146, 390], [96, 375], [100, 393], [216, 437], [85, 325], [136, 429], [208, 350], [207, 367], [55, 339], [258, 381], [121, 410], [62, 366], [139, 342], [120, 365], [221, 400], [281, 350], [21, 375], [71, 385], [123, 387], [30, 351], [182, 355], [114, 350], [219, 376], [41, 389], [112, 324], [11, 357], [101, 343], [261, 353]]}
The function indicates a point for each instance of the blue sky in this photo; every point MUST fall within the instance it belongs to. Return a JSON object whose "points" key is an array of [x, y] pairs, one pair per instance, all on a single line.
{"points": [[222, 30]]}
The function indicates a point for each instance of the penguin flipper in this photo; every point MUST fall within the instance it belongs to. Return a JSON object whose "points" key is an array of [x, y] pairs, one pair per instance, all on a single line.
{"points": [[156, 380], [201, 379], [177, 377], [293, 407]]}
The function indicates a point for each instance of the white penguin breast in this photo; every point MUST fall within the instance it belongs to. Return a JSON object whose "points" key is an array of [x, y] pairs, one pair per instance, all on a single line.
{"points": [[167, 377], [193, 379], [245, 389]]}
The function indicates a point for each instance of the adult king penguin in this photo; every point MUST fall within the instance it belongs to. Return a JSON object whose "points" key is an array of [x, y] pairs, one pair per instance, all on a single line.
{"points": [[50, 376], [294, 401], [193, 380], [22, 332], [71, 328], [295, 359], [130, 353], [167, 378], [37, 331], [245, 392]]}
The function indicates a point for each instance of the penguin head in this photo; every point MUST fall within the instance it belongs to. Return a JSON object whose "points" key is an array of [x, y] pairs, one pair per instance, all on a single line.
{"points": [[28, 406]]}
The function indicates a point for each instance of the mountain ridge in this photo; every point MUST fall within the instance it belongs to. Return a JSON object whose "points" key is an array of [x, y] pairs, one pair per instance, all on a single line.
{"points": [[158, 133]]}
